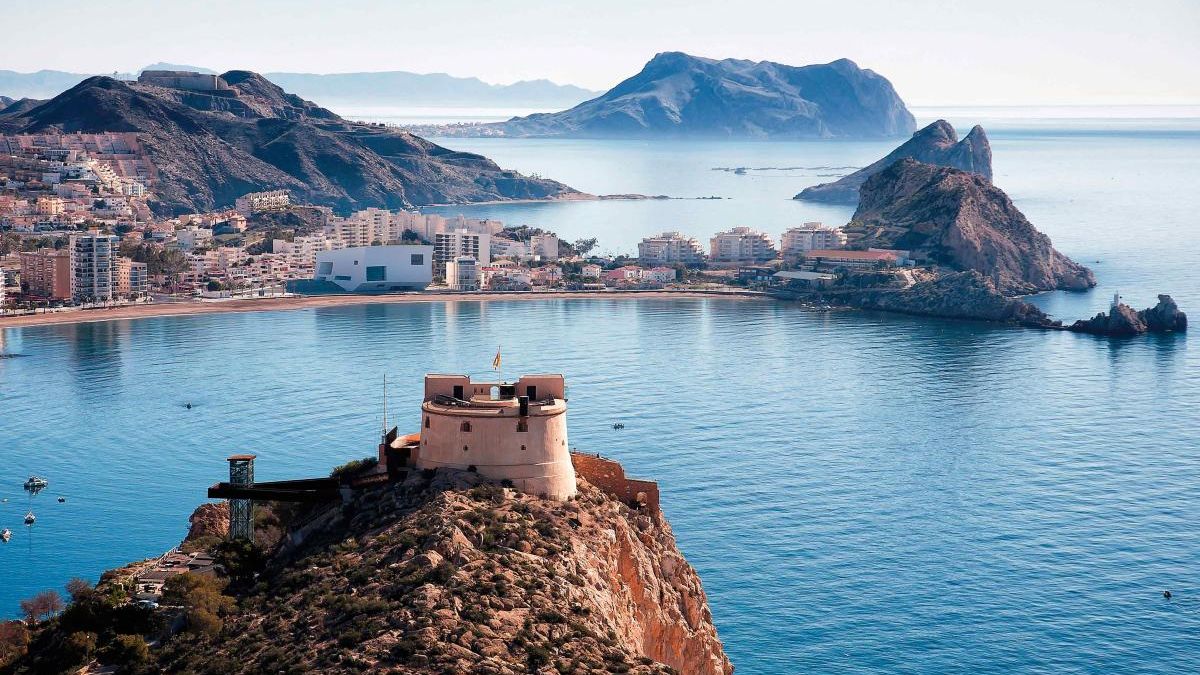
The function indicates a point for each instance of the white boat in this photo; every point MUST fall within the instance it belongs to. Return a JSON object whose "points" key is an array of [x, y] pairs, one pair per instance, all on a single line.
{"points": [[30, 518], [36, 484], [6, 535]]}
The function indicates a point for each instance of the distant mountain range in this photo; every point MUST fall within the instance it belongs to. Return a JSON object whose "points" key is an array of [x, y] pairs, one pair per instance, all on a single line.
{"points": [[936, 144], [680, 95], [209, 147], [392, 88]]}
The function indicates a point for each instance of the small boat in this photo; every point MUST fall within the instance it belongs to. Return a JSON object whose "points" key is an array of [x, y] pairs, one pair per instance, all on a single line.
{"points": [[61, 500], [36, 484], [6, 535], [30, 518], [618, 425]]}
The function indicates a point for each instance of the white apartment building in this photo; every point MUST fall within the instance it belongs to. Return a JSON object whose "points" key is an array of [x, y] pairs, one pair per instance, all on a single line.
{"points": [[191, 238], [462, 273], [742, 245], [811, 236], [669, 248], [258, 202], [544, 246], [507, 248], [450, 245], [94, 266]]}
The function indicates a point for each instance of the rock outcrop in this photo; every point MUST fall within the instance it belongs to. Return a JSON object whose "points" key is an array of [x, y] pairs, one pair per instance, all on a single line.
{"points": [[1122, 320], [209, 148], [959, 295], [208, 520], [957, 220], [679, 95], [936, 144], [434, 575]]}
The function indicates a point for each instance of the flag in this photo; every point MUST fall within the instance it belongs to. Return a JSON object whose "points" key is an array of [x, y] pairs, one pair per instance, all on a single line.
{"points": [[496, 361]]}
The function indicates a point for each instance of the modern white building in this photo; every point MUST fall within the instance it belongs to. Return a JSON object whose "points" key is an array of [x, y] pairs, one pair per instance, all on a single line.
{"points": [[462, 273], [742, 245], [669, 248], [377, 269], [450, 245], [797, 241], [94, 266]]}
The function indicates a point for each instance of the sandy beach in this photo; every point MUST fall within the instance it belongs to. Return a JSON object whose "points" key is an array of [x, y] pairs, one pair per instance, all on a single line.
{"points": [[190, 308]]}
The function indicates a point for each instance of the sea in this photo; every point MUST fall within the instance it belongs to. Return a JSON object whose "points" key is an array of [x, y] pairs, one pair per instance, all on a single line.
{"points": [[859, 492]]}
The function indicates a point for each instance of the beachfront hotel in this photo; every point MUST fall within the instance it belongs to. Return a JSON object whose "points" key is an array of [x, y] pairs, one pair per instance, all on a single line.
{"points": [[796, 241]]}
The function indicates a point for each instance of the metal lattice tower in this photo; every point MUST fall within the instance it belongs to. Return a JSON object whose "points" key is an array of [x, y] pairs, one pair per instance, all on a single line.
{"points": [[241, 519]]}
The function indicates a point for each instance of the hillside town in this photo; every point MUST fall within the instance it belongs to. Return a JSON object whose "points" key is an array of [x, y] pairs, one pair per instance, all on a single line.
{"points": [[77, 230]]}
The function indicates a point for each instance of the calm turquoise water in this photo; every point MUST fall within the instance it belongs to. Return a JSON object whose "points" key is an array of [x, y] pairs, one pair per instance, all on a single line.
{"points": [[860, 492]]}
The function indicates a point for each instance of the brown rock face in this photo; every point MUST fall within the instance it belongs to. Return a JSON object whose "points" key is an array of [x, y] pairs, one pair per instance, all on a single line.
{"points": [[209, 520], [435, 576], [958, 220], [936, 144]]}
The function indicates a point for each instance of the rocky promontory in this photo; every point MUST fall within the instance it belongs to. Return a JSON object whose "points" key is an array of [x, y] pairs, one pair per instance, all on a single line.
{"points": [[958, 220], [936, 144], [1123, 320], [441, 573]]}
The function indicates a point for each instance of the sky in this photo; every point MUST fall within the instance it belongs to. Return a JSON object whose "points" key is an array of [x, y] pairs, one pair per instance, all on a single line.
{"points": [[998, 52]]}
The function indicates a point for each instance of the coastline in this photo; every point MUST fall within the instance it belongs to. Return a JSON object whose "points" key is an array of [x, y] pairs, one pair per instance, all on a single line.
{"points": [[195, 308]]}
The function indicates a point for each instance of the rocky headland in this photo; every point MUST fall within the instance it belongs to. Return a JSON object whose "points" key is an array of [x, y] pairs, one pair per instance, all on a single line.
{"points": [[210, 147], [678, 95], [441, 573], [936, 144], [958, 220], [975, 254]]}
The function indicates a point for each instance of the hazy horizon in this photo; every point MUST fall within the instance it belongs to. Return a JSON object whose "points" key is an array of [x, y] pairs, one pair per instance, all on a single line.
{"points": [[935, 53]]}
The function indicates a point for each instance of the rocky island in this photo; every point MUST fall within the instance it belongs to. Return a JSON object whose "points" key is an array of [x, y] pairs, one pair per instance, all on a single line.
{"points": [[209, 143], [936, 144], [678, 95]]}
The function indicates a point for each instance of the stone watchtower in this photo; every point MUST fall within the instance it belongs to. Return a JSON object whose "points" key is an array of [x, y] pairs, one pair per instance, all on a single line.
{"points": [[515, 432]]}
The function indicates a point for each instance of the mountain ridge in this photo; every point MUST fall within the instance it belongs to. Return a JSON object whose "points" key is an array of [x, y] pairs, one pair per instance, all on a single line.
{"points": [[390, 87], [211, 147]]}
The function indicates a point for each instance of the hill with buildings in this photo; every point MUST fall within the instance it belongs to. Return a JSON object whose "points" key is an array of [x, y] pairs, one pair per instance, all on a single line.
{"points": [[440, 573], [936, 144], [679, 95], [959, 220], [214, 138]]}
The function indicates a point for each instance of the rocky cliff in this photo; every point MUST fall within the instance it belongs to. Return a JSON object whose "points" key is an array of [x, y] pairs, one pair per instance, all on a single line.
{"points": [[958, 220], [1123, 320], [442, 573], [436, 576], [211, 147], [936, 144], [679, 95]]}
